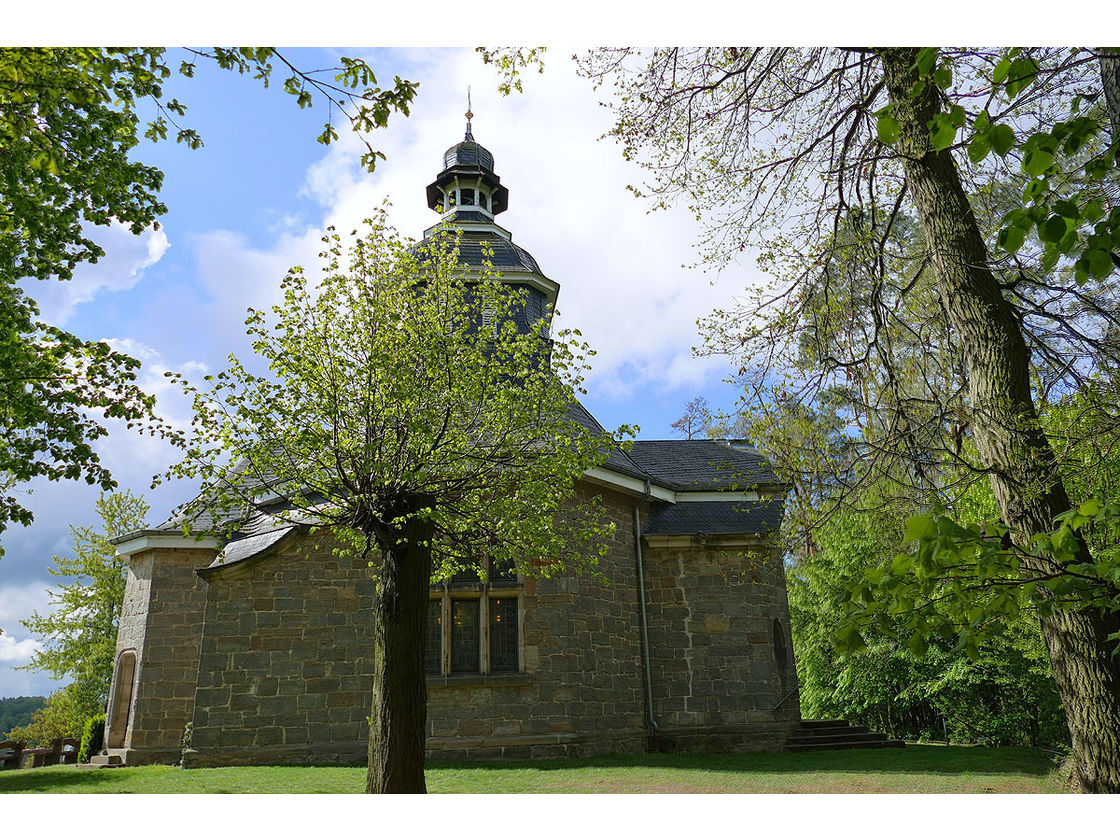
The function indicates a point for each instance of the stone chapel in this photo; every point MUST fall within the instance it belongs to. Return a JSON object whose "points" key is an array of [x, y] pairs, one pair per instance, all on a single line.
{"points": [[253, 651]]}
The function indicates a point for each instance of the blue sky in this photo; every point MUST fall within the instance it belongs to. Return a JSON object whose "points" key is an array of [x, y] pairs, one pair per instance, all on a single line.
{"points": [[254, 201]]}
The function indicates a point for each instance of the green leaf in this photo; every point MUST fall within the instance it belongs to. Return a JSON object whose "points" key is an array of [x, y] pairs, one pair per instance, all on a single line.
{"points": [[1037, 161], [887, 129], [1002, 68], [1010, 239], [979, 147], [927, 57], [1068, 209], [917, 644], [942, 132], [1090, 508], [1093, 211], [943, 76], [1021, 75], [1053, 229], [1002, 138], [1099, 263], [920, 527]]}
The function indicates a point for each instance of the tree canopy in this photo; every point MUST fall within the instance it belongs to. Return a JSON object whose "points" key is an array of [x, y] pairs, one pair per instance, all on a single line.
{"points": [[412, 415], [69, 127]]}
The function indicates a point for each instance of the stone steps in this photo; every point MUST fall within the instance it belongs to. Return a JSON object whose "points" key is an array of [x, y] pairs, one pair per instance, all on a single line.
{"points": [[106, 758], [836, 735]]}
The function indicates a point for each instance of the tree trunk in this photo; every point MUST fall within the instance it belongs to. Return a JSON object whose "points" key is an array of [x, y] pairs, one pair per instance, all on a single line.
{"points": [[400, 697], [1005, 423], [1110, 83]]}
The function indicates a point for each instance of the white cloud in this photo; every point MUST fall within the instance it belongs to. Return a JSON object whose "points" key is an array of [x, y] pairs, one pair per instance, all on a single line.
{"points": [[619, 267], [126, 257], [16, 648], [17, 652]]}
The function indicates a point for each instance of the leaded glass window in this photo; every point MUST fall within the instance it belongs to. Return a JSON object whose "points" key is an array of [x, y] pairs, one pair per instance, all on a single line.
{"points": [[433, 645], [503, 635], [464, 636]]}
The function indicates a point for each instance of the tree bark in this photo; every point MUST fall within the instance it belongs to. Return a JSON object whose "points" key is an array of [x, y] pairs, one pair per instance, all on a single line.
{"points": [[400, 697], [1008, 436], [1110, 83]]}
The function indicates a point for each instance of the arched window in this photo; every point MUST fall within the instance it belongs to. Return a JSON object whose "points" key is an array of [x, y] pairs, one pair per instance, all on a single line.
{"points": [[122, 699], [781, 650]]}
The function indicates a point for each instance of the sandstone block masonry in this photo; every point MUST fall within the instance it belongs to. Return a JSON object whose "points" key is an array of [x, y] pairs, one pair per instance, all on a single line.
{"points": [[270, 662], [160, 633], [719, 633]]}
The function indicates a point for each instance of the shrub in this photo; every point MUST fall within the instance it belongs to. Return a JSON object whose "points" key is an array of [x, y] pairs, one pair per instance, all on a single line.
{"points": [[93, 736]]}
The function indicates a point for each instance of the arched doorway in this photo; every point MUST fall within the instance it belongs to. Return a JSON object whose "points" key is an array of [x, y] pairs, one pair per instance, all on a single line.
{"points": [[121, 707]]}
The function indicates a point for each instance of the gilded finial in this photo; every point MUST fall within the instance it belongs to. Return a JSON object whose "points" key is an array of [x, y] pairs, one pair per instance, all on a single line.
{"points": [[469, 115]]}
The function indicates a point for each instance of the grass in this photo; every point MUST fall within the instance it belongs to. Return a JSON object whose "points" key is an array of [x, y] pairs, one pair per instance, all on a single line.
{"points": [[915, 769]]}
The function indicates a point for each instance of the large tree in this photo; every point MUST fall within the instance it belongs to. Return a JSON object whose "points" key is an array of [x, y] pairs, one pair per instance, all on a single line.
{"points": [[816, 157], [69, 126], [79, 635], [410, 415]]}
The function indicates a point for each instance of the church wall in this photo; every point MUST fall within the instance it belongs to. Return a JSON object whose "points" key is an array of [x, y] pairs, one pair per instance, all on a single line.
{"points": [[162, 622], [716, 676], [582, 691], [131, 628], [285, 674]]}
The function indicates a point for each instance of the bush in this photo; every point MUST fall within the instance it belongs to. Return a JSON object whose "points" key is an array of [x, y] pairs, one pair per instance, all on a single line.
{"points": [[93, 736]]}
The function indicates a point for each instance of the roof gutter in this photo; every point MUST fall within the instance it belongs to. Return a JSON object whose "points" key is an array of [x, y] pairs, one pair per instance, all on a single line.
{"points": [[653, 743]]}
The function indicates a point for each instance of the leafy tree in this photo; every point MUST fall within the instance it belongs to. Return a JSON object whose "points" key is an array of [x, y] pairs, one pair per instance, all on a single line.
{"points": [[818, 156], [400, 422], [80, 634], [913, 686], [69, 123]]}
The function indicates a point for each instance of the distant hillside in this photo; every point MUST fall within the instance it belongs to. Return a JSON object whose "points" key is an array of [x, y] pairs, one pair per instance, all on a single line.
{"points": [[17, 711]]}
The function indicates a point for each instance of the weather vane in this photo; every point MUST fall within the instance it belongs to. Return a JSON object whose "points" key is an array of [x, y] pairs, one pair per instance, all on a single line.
{"points": [[469, 136]]}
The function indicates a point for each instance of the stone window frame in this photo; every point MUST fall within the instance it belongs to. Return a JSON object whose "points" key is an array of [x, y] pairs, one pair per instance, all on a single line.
{"points": [[452, 590]]}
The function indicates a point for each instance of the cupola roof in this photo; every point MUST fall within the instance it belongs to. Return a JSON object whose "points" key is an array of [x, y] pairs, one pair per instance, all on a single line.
{"points": [[468, 161]]}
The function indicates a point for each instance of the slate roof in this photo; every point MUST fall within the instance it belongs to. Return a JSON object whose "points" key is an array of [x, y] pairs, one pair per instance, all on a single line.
{"points": [[617, 460], [686, 518], [238, 550], [476, 216], [504, 256], [468, 153], [699, 465]]}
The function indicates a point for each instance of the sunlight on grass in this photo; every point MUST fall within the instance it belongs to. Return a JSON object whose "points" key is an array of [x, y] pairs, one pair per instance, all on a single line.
{"points": [[915, 769]]}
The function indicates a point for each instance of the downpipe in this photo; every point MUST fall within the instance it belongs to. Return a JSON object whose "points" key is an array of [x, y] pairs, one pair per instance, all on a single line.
{"points": [[653, 731]]}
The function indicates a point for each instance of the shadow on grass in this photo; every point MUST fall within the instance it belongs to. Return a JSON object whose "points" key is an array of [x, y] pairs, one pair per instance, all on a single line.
{"points": [[924, 759], [53, 779], [911, 760]]}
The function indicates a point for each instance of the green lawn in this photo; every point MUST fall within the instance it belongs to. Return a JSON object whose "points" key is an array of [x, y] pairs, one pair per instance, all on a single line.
{"points": [[915, 769]]}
